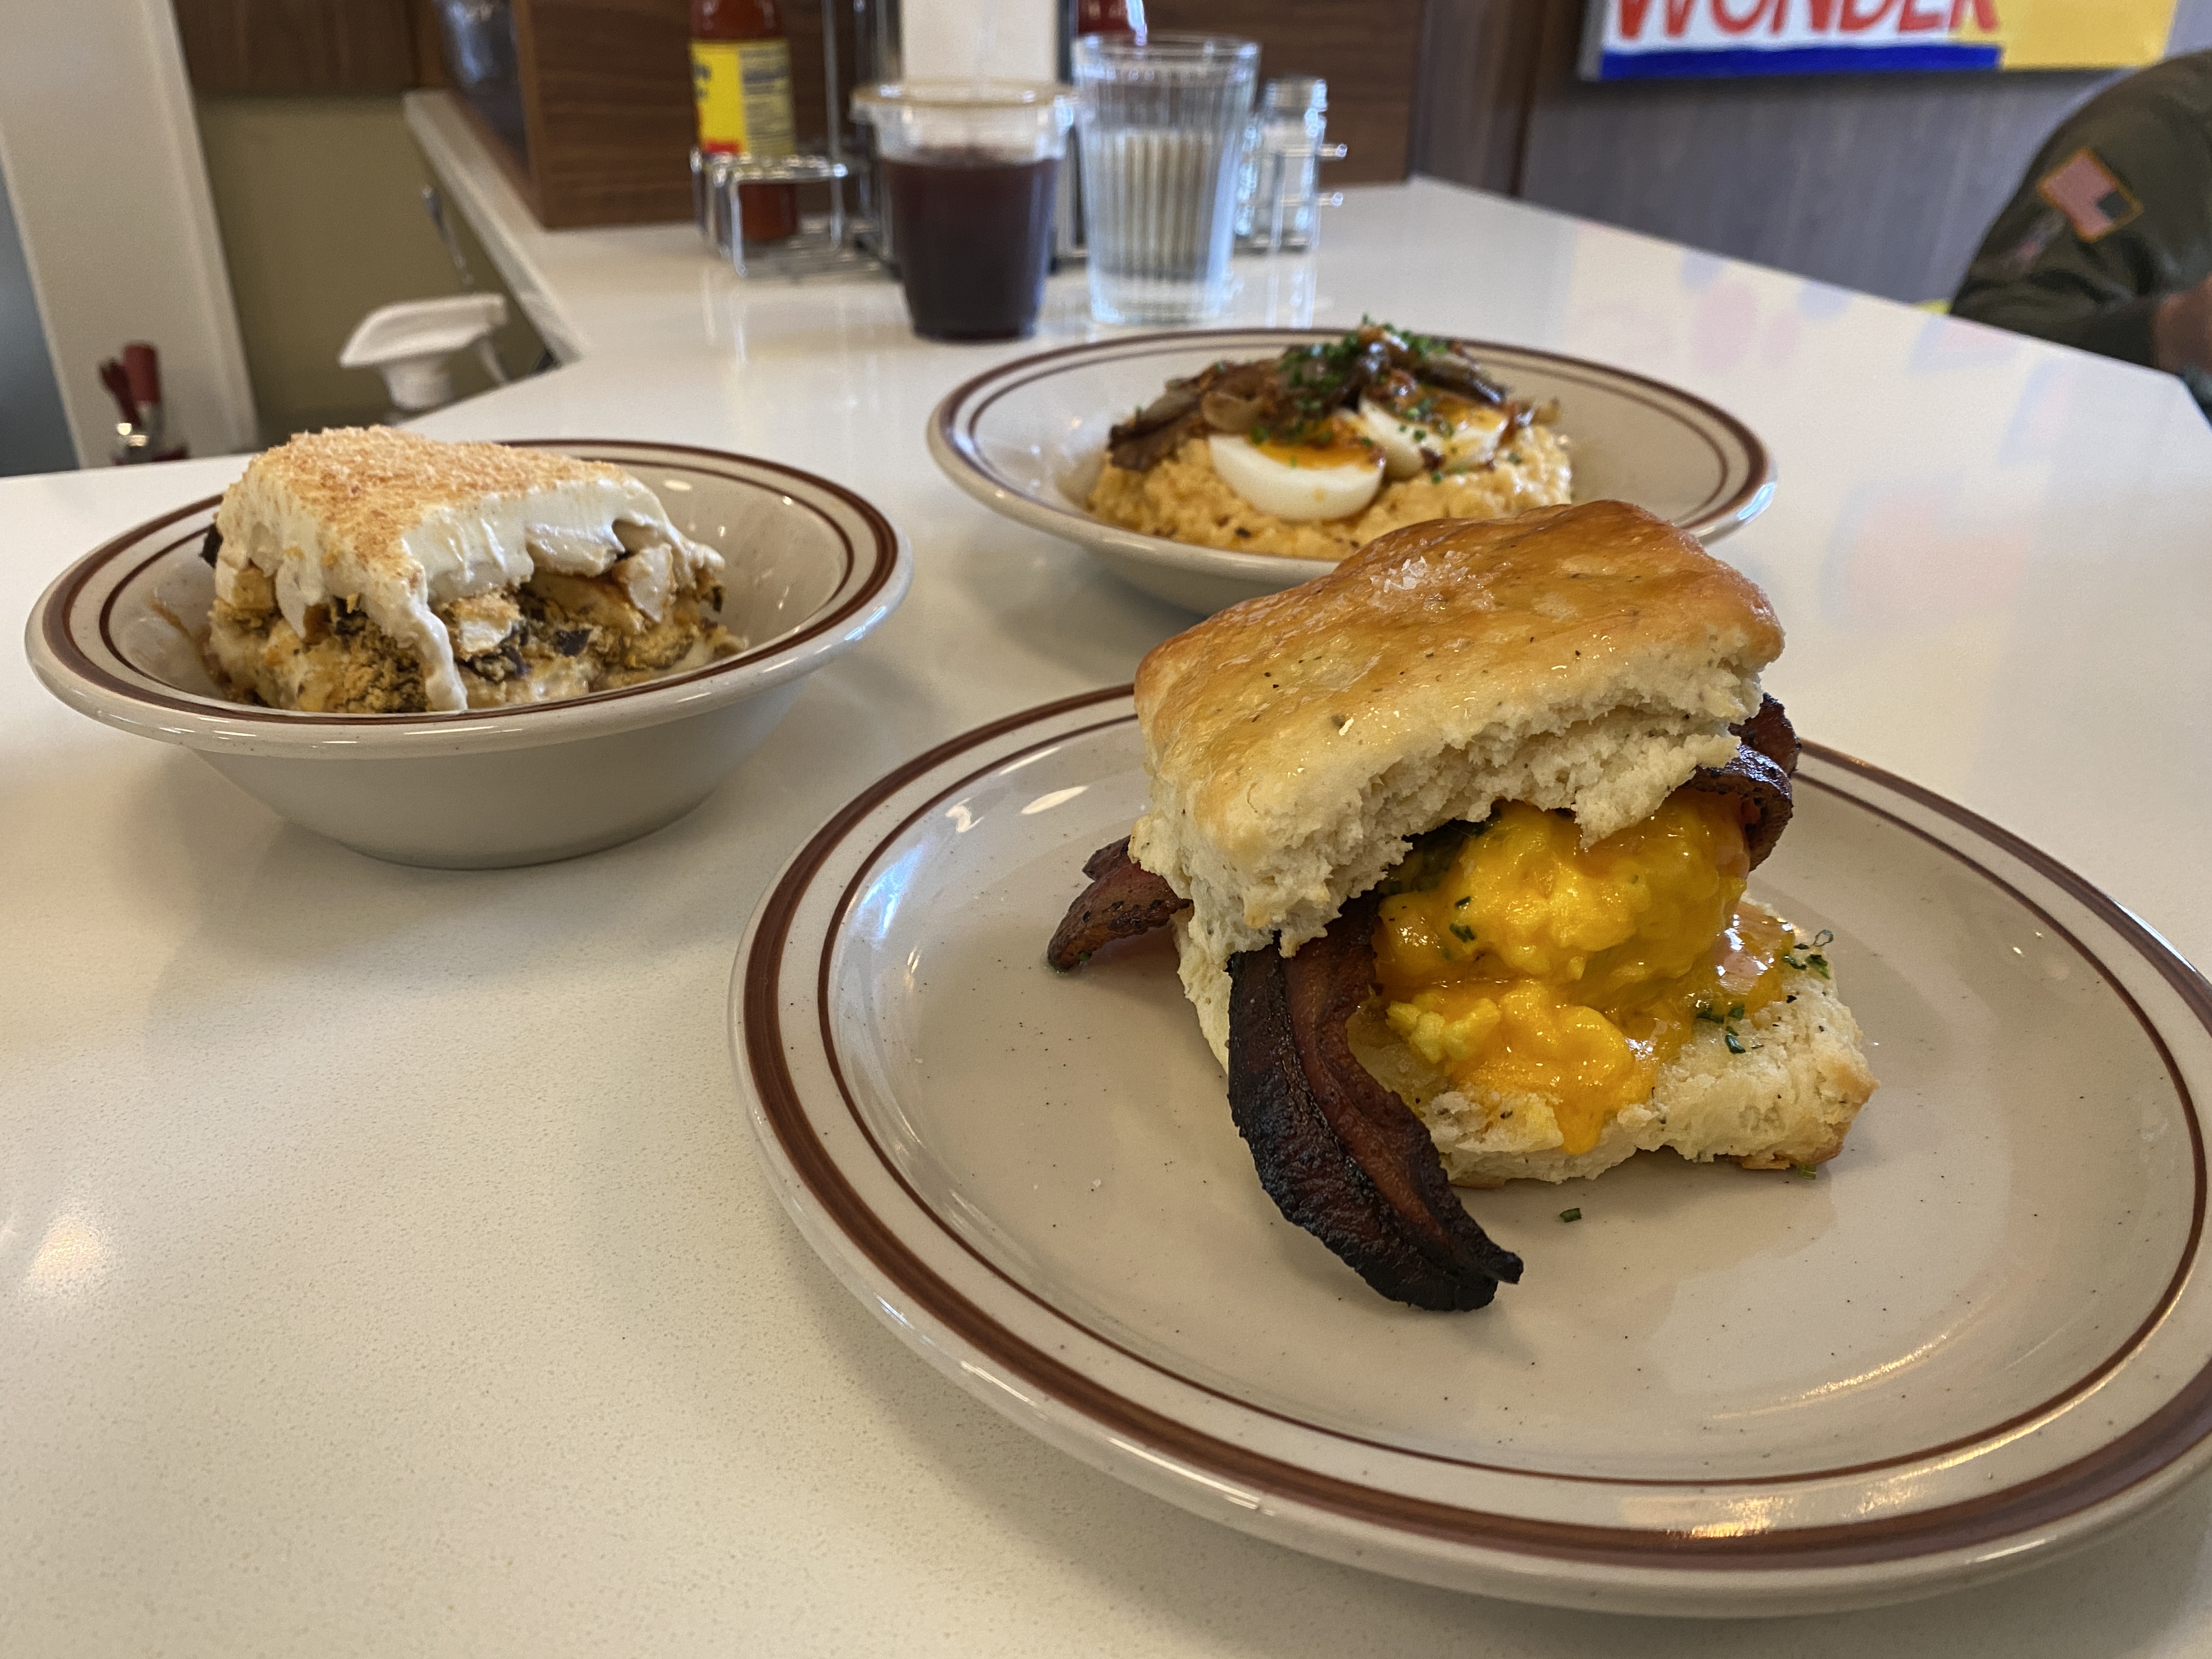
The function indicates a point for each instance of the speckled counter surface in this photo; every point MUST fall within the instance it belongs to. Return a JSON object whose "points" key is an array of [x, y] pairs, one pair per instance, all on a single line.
{"points": [[384, 1263]]}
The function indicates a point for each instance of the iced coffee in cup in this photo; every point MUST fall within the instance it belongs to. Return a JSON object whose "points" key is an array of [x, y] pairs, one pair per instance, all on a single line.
{"points": [[970, 172]]}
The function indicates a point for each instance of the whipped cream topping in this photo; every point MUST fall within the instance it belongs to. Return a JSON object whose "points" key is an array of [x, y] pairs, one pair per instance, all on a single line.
{"points": [[404, 524]]}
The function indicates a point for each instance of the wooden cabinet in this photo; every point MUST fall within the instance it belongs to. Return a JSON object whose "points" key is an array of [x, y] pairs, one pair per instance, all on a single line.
{"points": [[589, 101], [271, 47], [1368, 51]]}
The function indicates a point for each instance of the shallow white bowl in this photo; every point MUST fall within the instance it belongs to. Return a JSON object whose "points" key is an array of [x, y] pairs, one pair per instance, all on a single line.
{"points": [[813, 568], [1028, 439]]}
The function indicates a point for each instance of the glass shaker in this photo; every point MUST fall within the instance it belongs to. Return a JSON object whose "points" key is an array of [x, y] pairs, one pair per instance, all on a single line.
{"points": [[1278, 186]]}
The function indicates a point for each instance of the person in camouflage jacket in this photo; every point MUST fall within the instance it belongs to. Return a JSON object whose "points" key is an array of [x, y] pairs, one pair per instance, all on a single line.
{"points": [[2108, 244]]}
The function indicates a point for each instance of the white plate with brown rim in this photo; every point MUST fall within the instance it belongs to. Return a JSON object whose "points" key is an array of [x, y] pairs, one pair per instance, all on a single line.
{"points": [[1028, 439], [812, 569], [1980, 1337]]}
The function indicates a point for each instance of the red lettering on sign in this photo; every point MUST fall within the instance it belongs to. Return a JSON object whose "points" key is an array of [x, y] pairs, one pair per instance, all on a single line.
{"points": [[1985, 14], [1633, 12], [1854, 22], [1730, 24], [1911, 20], [1823, 14]]}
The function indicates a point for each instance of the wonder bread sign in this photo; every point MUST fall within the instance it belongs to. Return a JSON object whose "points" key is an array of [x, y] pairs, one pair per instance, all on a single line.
{"points": [[1667, 39]]}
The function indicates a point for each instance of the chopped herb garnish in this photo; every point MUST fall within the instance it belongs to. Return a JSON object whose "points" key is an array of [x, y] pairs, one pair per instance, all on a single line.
{"points": [[1461, 931], [1735, 1044], [1461, 904], [1574, 1214], [1803, 1172]]}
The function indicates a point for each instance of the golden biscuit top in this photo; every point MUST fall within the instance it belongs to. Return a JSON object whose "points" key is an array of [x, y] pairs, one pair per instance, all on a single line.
{"points": [[1442, 630]]}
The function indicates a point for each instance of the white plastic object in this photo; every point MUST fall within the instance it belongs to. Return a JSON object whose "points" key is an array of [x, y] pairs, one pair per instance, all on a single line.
{"points": [[408, 343]]}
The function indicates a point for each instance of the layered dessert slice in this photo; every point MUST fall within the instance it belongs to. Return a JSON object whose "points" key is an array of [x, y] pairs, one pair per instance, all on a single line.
{"points": [[373, 571]]}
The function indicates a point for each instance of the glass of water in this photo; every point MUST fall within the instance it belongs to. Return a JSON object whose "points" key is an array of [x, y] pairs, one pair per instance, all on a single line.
{"points": [[1162, 122]]}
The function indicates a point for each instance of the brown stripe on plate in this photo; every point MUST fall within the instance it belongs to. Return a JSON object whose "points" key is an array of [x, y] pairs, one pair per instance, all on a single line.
{"points": [[871, 860], [1709, 514], [2113, 1469], [60, 640]]}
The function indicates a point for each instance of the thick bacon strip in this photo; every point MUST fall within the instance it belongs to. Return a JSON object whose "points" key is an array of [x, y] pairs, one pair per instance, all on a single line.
{"points": [[1758, 778], [1340, 1154], [1124, 899], [1770, 733]]}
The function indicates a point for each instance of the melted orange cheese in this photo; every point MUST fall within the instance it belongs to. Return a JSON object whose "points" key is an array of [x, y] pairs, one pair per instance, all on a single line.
{"points": [[1536, 966]]}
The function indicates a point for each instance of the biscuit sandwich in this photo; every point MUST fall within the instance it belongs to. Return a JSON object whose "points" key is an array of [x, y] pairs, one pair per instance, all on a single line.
{"points": [[1455, 840]]}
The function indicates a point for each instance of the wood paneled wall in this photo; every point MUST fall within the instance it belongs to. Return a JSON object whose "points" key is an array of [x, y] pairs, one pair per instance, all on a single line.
{"points": [[287, 47], [605, 87], [606, 90], [1480, 63], [1883, 183], [1367, 52]]}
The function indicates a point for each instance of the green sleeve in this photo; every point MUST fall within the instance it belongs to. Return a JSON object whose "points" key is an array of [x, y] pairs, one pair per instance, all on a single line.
{"points": [[2038, 274]]}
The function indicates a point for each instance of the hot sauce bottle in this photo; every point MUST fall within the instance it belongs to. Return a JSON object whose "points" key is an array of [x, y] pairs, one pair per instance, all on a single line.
{"points": [[741, 82], [1123, 17]]}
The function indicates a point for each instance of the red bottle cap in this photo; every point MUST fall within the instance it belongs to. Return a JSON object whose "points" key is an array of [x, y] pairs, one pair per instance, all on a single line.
{"points": [[143, 365]]}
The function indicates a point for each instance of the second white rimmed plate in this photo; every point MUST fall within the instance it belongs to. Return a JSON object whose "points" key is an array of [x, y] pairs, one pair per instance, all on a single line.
{"points": [[1981, 1336], [1028, 439]]}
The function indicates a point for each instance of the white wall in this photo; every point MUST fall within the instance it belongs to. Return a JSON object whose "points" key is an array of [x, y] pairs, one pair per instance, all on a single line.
{"points": [[952, 39], [101, 160]]}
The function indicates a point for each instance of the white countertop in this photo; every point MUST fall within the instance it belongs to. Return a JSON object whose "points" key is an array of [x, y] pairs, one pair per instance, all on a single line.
{"points": [[384, 1263]]}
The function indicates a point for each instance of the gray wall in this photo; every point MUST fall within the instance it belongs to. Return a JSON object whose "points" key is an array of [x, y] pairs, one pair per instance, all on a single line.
{"points": [[1882, 182], [34, 432]]}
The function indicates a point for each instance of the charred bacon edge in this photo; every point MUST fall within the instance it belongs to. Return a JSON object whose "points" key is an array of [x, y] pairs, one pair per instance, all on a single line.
{"points": [[1124, 899], [1758, 778], [1341, 1155]]}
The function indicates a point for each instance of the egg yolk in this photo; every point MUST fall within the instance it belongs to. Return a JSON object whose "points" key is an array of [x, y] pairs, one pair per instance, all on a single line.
{"points": [[1338, 444], [1531, 965], [1464, 432]]}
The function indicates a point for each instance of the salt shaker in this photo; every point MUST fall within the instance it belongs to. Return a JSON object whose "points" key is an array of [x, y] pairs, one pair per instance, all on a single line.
{"points": [[1278, 185]]}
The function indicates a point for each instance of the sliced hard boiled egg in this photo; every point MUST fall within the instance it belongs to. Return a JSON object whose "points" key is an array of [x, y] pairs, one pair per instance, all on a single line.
{"points": [[1461, 435], [1301, 482], [1400, 437]]}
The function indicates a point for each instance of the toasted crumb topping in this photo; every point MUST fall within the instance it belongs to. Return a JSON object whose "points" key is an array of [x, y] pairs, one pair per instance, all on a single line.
{"points": [[369, 485]]}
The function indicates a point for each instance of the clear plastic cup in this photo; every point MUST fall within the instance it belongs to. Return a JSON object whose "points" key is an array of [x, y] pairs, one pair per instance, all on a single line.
{"points": [[971, 174], [1163, 130]]}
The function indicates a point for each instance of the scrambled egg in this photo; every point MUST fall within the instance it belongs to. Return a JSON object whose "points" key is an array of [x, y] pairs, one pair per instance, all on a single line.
{"points": [[1523, 964]]}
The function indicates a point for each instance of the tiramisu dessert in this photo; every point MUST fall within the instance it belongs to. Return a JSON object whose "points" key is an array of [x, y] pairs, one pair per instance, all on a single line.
{"points": [[373, 571]]}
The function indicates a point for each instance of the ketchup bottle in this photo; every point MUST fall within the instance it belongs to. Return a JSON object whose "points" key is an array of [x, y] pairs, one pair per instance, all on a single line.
{"points": [[741, 82], [1124, 17]]}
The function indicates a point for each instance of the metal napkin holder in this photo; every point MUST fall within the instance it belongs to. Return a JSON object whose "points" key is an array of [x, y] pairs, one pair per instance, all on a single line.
{"points": [[823, 245]]}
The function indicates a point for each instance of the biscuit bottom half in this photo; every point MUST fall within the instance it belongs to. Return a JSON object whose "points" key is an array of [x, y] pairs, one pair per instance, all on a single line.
{"points": [[553, 636]]}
